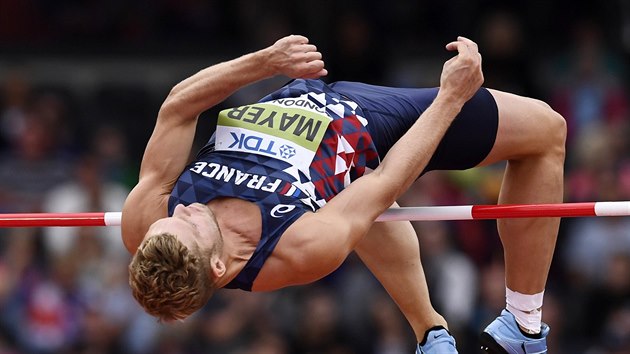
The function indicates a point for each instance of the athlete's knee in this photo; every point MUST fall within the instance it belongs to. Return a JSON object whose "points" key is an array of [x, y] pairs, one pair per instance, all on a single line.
{"points": [[554, 127], [558, 131]]}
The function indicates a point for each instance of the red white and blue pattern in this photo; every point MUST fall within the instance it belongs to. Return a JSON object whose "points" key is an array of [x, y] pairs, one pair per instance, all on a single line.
{"points": [[346, 151]]}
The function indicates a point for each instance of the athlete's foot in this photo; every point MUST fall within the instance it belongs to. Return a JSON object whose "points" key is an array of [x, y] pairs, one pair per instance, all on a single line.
{"points": [[503, 336], [437, 340]]}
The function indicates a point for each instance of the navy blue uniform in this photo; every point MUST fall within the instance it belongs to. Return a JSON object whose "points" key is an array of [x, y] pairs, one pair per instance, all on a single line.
{"points": [[300, 146]]}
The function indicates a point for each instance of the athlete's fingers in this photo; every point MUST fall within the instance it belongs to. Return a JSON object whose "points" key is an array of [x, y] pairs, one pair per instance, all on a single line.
{"points": [[314, 66], [313, 69], [471, 44], [312, 56], [296, 38], [461, 44], [460, 47], [307, 48], [316, 75]]}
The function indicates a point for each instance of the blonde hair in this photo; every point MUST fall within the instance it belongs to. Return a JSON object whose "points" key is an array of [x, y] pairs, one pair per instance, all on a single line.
{"points": [[169, 280]]}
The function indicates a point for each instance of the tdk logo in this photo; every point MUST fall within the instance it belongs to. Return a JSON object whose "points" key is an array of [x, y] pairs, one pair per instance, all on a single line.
{"points": [[258, 144], [287, 151]]}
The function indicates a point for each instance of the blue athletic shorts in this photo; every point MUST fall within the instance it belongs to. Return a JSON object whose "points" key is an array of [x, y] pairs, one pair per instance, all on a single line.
{"points": [[392, 111]]}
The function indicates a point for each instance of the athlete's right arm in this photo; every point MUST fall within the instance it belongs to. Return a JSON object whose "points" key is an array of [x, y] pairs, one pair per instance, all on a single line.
{"points": [[319, 242], [169, 147]]}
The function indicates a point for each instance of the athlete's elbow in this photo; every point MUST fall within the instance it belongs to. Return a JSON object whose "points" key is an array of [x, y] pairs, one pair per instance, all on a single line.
{"points": [[389, 186], [130, 243], [172, 102], [177, 89], [176, 108]]}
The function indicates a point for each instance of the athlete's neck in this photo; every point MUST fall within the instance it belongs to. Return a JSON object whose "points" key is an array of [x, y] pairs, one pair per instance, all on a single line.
{"points": [[241, 225]]}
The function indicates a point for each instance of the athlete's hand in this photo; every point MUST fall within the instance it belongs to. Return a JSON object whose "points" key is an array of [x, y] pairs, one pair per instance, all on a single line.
{"points": [[461, 75], [294, 57]]}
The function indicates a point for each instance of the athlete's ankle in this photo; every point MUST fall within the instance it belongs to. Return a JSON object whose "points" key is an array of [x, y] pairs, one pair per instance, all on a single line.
{"points": [[529, 334], [527, 310], [426, 333]]}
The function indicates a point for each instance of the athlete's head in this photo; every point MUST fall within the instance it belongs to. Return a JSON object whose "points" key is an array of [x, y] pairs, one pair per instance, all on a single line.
{"points": [[174, 271]]}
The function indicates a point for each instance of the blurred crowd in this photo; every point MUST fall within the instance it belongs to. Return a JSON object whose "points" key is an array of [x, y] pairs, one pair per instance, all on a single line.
{"points": [[67, 149]]}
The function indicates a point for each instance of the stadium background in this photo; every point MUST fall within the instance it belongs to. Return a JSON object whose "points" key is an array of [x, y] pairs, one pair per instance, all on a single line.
{"points": [[80, 86]]}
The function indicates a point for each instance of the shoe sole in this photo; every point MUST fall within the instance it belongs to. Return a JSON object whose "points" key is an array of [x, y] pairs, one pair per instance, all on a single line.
{"points": [[489, 345]]}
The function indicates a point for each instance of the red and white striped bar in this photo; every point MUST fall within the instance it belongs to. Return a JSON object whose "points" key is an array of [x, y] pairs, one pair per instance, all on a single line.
{"points": [[459, 212], [60, 219], [481, 212]]}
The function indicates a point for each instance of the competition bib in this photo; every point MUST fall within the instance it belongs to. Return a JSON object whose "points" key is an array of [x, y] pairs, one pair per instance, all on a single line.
{"points": [[288, 129]]}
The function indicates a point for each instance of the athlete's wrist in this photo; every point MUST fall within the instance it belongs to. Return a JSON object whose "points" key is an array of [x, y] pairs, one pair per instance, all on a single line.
{"points": [[262, 60], [448, 102]]}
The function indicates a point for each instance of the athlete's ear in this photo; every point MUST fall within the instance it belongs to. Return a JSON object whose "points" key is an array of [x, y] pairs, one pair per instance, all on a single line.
{"points": [[218, 267]]}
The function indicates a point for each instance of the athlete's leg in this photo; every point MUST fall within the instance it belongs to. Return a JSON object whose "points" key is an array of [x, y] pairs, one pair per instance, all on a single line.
{"points": [[391, 251], [531, 137]]}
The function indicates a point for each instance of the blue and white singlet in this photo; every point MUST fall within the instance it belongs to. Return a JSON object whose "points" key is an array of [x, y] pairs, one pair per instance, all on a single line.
{"points": [[289, 154]]}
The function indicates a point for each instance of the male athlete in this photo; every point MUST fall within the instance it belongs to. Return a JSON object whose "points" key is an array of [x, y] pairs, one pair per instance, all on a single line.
{"points": [[287, 187]]}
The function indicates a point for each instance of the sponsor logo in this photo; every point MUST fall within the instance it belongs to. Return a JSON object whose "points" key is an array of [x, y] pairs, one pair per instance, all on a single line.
{"points": [[258, 144], [287, 152], [280, 209]]}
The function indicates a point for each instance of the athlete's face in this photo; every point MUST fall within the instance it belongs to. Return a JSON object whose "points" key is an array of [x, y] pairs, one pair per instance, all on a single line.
{"points": [[192, 224]]}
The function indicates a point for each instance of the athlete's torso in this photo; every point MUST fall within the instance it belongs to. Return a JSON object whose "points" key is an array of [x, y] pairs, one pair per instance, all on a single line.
{"points": [[289, 153]]}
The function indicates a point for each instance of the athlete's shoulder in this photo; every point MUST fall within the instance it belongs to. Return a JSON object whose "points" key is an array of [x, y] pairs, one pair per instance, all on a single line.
{"points": [[144, 205]]}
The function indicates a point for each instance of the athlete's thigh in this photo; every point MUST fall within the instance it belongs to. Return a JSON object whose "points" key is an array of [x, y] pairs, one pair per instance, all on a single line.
{"points": [[526, 126]]}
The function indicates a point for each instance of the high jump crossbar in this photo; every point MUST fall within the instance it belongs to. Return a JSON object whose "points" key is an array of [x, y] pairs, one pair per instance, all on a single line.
{"points": [[419, 213]]}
